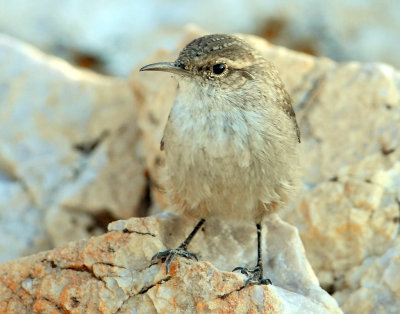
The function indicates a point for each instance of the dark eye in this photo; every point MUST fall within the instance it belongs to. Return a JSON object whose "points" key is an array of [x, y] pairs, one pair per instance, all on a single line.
{"points": [[219, 68]]}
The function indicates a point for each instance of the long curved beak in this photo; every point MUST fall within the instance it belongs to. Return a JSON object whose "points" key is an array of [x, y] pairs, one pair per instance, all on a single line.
{"points": [[165, 67]]}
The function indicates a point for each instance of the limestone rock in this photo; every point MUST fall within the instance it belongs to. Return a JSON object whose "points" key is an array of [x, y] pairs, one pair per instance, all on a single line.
{"points": [[373, 287], [22, 231], [68, 144], [350, 218], [112, 273]]}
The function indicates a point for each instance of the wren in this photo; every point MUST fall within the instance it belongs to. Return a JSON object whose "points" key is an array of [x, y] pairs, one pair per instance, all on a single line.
{"points": [[231, 139]]}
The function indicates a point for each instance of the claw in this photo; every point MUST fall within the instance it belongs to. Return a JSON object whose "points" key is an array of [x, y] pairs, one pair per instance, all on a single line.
{"points": [[243, 270], [265, 281], [254, 276], [169, 255], [160, 256]]}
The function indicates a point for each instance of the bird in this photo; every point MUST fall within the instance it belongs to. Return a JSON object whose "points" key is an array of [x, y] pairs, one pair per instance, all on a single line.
{"points": [[230, 141]]}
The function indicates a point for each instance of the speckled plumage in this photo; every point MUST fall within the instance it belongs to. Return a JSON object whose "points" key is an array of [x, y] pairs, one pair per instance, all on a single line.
{"points": [[230, 140]]}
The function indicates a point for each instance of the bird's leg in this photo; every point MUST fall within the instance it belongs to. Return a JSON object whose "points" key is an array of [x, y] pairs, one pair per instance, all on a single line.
{"points": [[181, 250], [255, 275]]}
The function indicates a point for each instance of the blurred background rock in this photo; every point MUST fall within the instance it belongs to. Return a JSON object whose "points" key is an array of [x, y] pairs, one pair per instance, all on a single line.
{"points": [[113, 36]]}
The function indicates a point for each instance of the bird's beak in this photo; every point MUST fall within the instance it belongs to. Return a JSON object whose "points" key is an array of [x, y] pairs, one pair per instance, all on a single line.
{"points": [[165, 67]]}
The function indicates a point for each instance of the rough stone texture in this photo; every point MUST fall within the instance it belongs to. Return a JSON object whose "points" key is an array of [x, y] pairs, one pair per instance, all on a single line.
{"points": [[350, 218], [374, 286], [120, 33], [112, 273], [349, 114], [68, 144]]}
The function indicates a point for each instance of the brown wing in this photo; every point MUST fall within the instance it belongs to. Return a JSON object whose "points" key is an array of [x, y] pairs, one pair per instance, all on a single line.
{"points": [[288, 109], [162, 144]]}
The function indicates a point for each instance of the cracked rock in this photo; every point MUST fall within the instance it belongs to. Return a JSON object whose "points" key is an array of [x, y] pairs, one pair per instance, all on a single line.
{"points": [[113, 273], [374, 286]]}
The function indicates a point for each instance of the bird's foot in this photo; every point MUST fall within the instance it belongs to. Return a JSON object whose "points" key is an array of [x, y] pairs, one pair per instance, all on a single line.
{"points": [[254, 275], [169, 255]]}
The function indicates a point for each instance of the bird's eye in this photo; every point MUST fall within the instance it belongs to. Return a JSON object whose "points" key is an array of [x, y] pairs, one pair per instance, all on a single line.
{"points": [[219, 68]]}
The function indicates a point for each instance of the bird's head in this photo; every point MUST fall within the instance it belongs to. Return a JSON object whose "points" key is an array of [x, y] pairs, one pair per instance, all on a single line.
{"points": [[215, 61]]}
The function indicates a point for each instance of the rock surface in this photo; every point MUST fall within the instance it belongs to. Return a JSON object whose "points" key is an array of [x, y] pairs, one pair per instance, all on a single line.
{"points": [[112, 273], [68, 143], [374, 286]]}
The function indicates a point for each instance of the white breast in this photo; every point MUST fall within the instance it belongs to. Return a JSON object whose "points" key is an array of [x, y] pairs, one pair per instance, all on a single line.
{"points": [[218, 158]]}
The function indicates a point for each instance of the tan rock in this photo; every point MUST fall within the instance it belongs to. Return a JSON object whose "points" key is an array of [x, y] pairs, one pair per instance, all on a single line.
{"points": [[351, 218], [374, 286], [112, 273], [69, 148]]}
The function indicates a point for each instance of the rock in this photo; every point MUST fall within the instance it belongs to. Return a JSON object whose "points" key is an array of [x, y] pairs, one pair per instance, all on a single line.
{"points": [[349, 113], [112, 272], [350, 218], [22, 231], [111, 40], [70, 156], [373, 287]]}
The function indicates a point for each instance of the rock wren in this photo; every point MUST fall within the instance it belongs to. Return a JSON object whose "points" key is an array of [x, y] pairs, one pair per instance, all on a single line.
{"points": [[231, 138]]}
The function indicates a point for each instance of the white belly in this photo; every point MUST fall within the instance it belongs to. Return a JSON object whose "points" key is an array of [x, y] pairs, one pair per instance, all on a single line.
{"points": [[221, 162]]}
